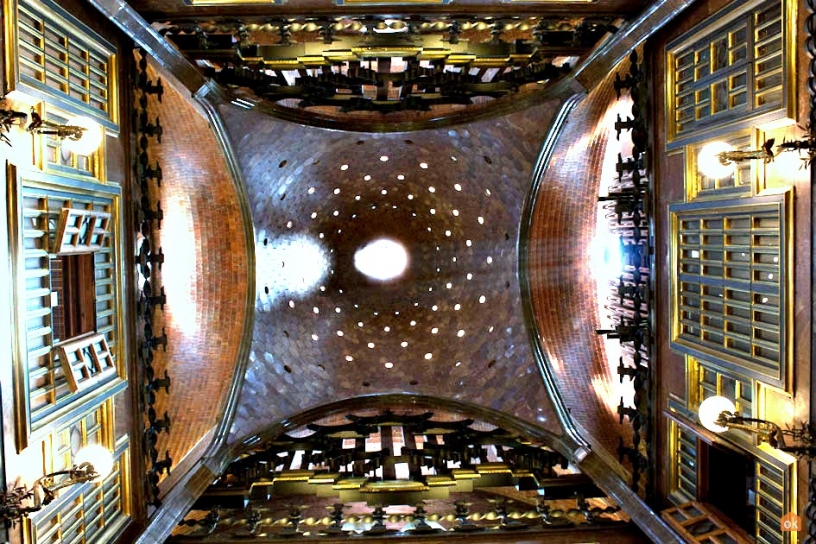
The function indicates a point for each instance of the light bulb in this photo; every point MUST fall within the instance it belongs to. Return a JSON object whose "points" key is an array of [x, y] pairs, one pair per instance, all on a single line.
{"points": [[710, 410], [709, 163], [90, 140], [99, 457]]}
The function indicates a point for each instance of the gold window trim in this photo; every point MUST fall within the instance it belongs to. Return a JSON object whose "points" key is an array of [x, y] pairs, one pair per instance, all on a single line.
{"points": [[713, 25], [18, 183], [29, 89], [783, 378]]}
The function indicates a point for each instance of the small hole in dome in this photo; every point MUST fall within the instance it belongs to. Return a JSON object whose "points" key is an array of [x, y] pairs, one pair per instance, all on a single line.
{"points": [[289, 224], [453, 158], [283, 196], [413, 382], [367, 177], [457, 186], [410, 197], [291, 303], [490, 328], [287, 368], [488, 160], [360, 324], [349, 358], [315, 337], [344, 167], [429, 356], [469, 276], [409, 142], [336, 213], [266, 289], [413, 323], [435, 330], [360, 142], [384, 158], [489, 259], [487, 192], [447, 233], [371, 345], [266, 241], [286, 334], [400, 177], [404, 344], [316, 310], [507, 285], [387, 329], [389, 365], [357, 197], [314, 215], [311, 190], [461, 333], [448, 285], [337, 310], [423, 165], [457, 307], [482, 299], [454, 259], [384, 191], [282, 163], [431, 189], [458, 363], [366, 384], [337, 190], [339, 333], [434, 307], [480, 219], [321, 367], [492, 363], [455, 213]]}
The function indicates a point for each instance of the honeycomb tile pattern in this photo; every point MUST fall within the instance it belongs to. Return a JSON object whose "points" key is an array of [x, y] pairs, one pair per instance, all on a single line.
{"points": [[204, 274], [563, 290], [451, 326]]}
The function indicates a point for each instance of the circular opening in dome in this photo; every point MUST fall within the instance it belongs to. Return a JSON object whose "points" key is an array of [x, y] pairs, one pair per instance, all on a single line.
{"points": [[383, 259]]}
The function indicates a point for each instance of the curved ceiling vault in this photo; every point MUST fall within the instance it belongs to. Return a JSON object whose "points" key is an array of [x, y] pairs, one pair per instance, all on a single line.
{"points": [[450, 327]]}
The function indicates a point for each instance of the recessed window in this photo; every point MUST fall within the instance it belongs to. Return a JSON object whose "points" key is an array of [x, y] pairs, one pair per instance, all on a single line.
{"points": [[73, 281]]}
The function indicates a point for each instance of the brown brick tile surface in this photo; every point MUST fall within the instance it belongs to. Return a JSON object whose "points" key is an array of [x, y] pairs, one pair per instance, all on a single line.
{"points": [[337, 191], [563, 289], [204, 274]]}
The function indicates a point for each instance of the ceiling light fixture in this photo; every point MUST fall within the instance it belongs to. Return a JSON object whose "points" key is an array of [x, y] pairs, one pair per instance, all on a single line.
{"points": [[80, 135], [718, 414], [92, 463]]}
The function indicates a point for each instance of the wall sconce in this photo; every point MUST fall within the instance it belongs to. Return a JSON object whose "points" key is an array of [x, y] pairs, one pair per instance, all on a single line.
{"points": [[80, 135], [92, 463], [717, 159], [718, 414]]}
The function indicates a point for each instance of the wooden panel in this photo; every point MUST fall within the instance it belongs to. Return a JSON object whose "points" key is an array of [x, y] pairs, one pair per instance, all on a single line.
{"points": [[81, 231], [86, 361]]}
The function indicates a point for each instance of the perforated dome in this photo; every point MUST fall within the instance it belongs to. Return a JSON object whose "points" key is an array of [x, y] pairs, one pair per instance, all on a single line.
{"points": [[450, 325]]}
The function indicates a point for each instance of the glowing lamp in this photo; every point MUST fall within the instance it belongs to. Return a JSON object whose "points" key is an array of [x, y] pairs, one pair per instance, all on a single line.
{"points": [[98, 457], [711, 410], [711, 162], [86, 140]]}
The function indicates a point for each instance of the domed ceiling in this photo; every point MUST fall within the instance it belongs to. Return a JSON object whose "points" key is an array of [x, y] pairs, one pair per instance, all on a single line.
{"points": [[450, 326]]}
